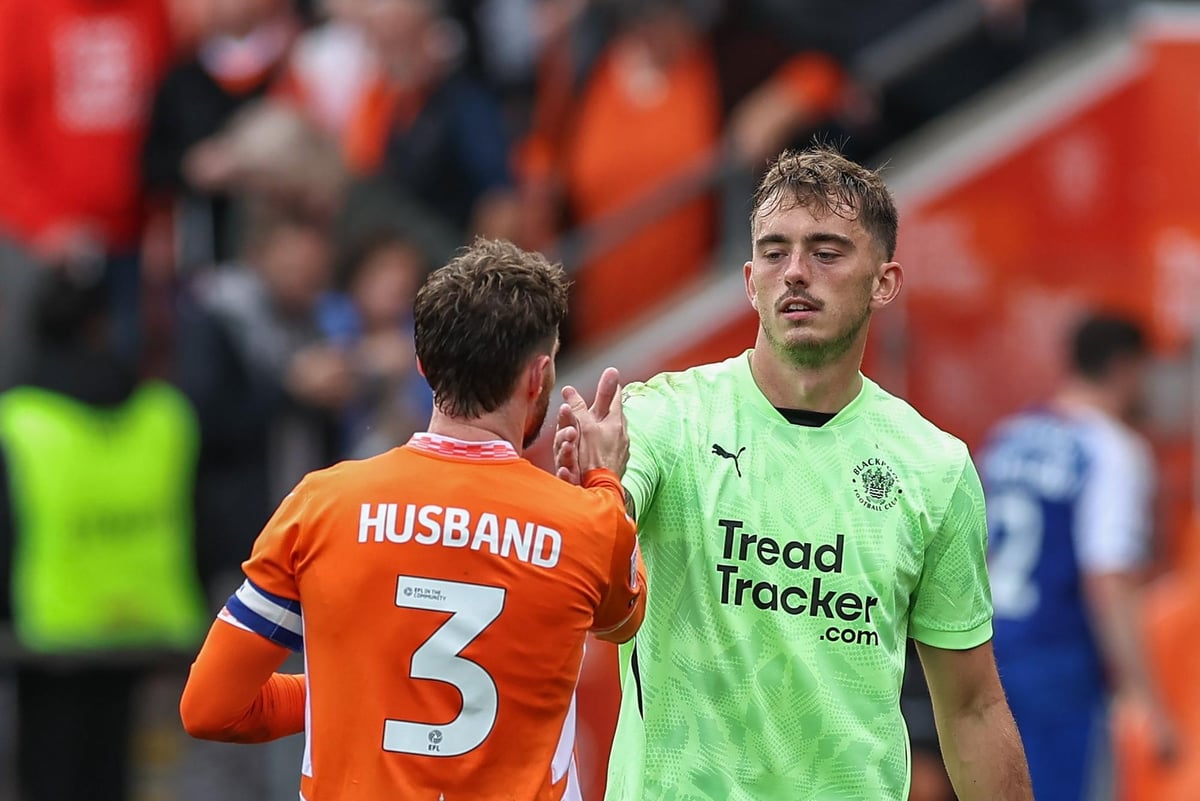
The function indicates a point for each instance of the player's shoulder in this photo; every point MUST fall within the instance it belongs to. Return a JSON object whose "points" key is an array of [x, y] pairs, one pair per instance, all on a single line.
{"points": [[352, 472], [911, 431], [562, 498], [1038, 428], [1111, 440], [589, 519], [1021, 421], [695, 384]]}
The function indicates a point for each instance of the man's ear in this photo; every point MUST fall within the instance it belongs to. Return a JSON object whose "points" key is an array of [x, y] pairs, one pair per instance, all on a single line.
{"points": [[888, 282], [535, 375], [420, 367], [751, 292]]}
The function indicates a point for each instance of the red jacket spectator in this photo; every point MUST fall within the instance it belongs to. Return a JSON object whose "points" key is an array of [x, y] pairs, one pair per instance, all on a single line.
{"points": [[76, 79]]}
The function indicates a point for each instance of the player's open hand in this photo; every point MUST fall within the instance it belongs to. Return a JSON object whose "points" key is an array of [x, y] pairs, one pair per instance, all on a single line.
{"points": [[1164, 737], [590, 437], [566, 441], [1151, 720]]}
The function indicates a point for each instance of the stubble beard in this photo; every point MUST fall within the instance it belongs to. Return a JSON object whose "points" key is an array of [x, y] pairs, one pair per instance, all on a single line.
{"points": [[533, 429], [811, 354]]}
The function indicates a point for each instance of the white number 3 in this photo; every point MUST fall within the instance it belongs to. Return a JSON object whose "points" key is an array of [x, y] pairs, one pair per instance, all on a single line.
{"points": [[473, 607]]}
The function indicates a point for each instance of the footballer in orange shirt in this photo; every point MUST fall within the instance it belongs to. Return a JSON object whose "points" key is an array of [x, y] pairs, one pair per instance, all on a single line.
{"points": [[441, 593]]}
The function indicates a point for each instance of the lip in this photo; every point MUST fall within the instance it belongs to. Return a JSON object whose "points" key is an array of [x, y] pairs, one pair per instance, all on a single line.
{"points": [[802, 314]]}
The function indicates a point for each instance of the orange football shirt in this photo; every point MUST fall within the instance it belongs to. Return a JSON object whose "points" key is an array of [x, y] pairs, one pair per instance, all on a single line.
{"points": [[441, 594]]}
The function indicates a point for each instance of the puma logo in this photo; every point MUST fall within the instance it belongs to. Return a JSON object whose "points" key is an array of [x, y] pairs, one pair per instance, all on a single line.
{"points": [[724, 454]]}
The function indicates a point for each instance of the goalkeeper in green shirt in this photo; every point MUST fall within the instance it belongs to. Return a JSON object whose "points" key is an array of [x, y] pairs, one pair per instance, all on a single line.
{"points": [[798, 524]]}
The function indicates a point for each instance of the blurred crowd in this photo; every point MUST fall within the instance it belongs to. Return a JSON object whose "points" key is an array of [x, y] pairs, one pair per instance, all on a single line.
{"points": [[142, 134], [242, 196]]}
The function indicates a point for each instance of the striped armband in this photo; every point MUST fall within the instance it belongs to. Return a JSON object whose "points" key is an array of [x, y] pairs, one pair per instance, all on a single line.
{"points": [[266, 614]]}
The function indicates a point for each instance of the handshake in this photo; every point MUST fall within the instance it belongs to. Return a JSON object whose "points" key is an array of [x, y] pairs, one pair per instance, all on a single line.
{"points": [[591, 437]]}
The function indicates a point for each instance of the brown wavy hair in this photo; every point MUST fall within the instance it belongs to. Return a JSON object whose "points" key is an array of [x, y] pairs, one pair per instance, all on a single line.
{"points": [[480, 318]]}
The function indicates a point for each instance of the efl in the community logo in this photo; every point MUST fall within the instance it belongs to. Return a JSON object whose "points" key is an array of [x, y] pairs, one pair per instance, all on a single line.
{"points": [[875, 485]]}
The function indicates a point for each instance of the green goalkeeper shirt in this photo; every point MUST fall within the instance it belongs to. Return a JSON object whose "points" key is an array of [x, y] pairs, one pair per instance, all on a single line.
{"points": [[786, 566]]}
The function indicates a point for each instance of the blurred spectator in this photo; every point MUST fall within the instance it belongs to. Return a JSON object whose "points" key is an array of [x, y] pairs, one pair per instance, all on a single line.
{"points": [[331, 66], [271, 153], [647, 110], [265, 383], [777, 88], [371, 320], [97, 561], [425, 128], [76, 79], [505, 38], [234, 65], [1070, 488], [640, 113]]}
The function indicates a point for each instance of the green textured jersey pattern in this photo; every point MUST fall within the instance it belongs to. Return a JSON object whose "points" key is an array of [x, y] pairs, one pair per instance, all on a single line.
{"points": [[786, 566]]}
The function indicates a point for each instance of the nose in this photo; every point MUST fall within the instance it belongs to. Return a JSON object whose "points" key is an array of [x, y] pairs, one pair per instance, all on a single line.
{"points": [[797, 271]]}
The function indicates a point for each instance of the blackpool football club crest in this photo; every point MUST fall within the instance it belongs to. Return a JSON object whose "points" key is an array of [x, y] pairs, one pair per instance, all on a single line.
{"points": [[876, 485]]}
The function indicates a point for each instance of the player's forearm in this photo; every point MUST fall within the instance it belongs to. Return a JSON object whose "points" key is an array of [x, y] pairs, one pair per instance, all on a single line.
{"points": [[624, 631], [983, 754], [233, 693], [623, 607], [277, 711], [1115, 607]]}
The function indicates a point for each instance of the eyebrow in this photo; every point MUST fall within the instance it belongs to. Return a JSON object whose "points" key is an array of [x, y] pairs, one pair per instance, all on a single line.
{"points": [[823, 237], [772, 239], [816, 238]]}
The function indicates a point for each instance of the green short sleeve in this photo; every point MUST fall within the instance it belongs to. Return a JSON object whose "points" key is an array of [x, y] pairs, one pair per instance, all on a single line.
{"points": [[952, 605], [653, 423]]}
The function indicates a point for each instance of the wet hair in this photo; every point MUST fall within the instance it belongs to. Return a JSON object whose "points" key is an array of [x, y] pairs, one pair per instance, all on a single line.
{"points": [[480, 318], [824, 181]]}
